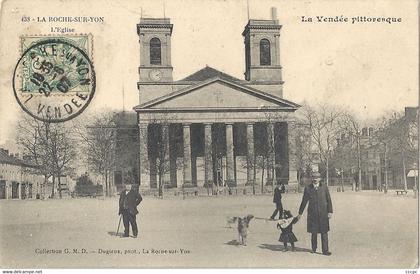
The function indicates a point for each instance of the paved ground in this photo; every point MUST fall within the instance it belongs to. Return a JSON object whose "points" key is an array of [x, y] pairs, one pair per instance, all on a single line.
{"points": [[368, 230]]}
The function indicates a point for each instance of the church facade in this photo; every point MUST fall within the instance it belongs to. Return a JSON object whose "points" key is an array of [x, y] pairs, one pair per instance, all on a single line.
{"points": [[211, 128]]}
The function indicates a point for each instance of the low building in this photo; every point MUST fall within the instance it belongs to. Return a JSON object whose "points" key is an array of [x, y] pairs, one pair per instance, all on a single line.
{"points": [[18, 178]]}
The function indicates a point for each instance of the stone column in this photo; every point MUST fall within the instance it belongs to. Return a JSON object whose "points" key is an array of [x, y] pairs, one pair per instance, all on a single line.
{"points": [[291, 148], [19, 190], [250, 159], [27, 189], [165, 151], [6, 189], [144, 164], [173, 167], [271, 154], [187, 172], [208, 159], [11, 190], [230, 171]]}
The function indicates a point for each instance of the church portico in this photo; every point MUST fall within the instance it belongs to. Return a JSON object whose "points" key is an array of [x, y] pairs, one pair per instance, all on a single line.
{"points": [[208, 154], [210, 128]]}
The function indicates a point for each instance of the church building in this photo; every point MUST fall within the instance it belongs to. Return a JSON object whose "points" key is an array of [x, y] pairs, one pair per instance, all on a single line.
{"points": [[211, 128]]}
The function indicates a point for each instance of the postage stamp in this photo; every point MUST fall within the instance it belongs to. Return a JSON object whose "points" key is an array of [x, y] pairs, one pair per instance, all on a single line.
{"points": [[54, 79]]}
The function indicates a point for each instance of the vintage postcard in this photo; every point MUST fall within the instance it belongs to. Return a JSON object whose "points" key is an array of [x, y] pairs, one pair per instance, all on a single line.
{"points": [[209, 134]]}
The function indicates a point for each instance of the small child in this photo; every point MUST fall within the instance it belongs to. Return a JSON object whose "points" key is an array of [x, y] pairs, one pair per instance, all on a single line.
{"points": [[286, 226]]}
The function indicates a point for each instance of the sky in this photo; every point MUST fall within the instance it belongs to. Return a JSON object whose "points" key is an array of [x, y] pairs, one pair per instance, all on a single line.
{"points": [[368, 68]]}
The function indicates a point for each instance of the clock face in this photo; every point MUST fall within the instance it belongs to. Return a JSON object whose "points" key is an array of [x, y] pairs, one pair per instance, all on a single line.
{"points": [[155, 75]]}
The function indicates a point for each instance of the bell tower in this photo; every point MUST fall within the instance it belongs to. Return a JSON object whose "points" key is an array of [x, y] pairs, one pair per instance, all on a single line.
{"points": [[262, 49], [155, 49]]}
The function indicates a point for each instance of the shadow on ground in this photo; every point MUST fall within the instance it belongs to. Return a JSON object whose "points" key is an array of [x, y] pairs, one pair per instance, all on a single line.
{"points": [[113, 233], [280, 247], [233, 242]]}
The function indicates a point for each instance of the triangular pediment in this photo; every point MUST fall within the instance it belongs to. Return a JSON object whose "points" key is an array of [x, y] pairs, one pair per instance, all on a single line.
{"points": [[218, 93]]}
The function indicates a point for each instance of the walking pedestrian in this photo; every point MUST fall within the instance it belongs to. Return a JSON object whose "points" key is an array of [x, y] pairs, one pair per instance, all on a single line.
{"points": [[277, 201]]}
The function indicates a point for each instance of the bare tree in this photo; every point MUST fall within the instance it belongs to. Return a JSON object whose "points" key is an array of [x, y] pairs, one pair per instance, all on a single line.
{"points": [[323, 121], [162, 153], [49, 146], [61, 151], [344, 158], [302, 154], [383, 123], [218, 150], [97, 136], [159, 128], [266, 161], [301, 137], [33, 138], [352, 150], [397, 136]]}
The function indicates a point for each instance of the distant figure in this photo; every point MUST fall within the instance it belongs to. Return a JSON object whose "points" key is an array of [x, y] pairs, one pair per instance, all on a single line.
{"points": [[286, 227], [319, 212], [129, 200], [277, 200]]}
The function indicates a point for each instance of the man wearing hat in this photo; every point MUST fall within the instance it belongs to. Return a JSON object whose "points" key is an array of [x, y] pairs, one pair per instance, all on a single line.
{"points": [[319, 211], [129, 200], [277, 200]]}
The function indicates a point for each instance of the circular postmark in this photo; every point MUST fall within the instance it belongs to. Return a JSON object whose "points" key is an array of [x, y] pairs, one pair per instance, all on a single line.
{"points": [[54, 80]]}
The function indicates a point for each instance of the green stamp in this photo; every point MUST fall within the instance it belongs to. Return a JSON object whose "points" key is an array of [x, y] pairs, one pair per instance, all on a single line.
{"points": [[54, 80]]}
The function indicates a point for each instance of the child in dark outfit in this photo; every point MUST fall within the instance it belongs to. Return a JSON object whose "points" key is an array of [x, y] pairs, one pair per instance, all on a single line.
{"points": [[286, 227]]}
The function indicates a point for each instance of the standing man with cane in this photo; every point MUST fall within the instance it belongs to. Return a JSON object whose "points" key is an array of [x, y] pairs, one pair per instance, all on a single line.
{"points": [[319, 211], [129, 200]]}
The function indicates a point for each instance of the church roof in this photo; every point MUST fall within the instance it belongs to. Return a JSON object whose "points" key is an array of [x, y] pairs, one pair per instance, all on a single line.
{"points": [[207, 73], [217, 78]]}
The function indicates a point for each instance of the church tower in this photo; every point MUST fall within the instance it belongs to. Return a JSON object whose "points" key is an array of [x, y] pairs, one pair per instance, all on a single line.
{"points": [[262, 50], [155, 49]]}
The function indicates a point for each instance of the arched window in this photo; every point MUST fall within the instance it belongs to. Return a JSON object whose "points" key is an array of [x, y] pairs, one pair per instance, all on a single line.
{"points": [[155, 53], [265, 56]]}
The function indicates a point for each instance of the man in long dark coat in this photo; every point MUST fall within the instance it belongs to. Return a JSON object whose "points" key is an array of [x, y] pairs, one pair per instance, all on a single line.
{"points": [[277, 201], [319, 212], [129, 200]]}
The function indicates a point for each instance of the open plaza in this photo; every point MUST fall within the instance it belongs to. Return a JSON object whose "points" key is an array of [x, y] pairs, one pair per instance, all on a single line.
{"points": [[368, 230]]}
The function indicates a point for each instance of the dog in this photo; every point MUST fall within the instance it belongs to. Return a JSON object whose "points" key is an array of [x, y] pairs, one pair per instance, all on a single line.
{"points": [[243, 224]]}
